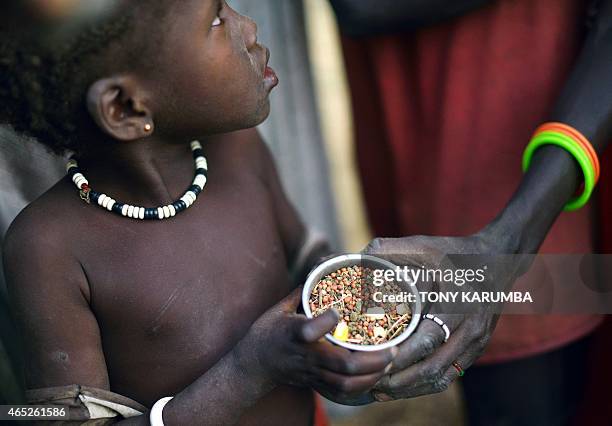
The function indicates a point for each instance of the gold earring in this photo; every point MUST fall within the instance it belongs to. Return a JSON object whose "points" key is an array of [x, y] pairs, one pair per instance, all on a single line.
{"points": [[148, 127]]}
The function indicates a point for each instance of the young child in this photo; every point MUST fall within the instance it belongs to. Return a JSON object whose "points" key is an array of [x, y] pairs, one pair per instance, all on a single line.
{"points": [[121, 306]]}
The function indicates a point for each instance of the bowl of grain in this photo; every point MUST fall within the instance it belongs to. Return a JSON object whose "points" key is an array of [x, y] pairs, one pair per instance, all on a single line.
{"points": [[375, 313]]}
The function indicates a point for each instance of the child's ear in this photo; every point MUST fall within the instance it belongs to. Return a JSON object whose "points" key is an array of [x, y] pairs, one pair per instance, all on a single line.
{"points": [[118, 106]]}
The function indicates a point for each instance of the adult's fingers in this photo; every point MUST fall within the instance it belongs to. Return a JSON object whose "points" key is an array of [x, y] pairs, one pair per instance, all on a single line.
{"points": [[354, 400], [433, 374], [310, 330], [426, 339], [415, 250], [441, 382], [347, 385], [343, 361]]}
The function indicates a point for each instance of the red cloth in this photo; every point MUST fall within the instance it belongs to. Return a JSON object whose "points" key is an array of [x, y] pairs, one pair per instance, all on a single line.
{"points": [[442, 117], [320, 416], [596, 409]]}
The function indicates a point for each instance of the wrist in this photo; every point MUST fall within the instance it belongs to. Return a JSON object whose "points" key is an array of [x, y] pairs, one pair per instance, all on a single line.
{"points": [[543, 192], [247, 361], [502, 236]]}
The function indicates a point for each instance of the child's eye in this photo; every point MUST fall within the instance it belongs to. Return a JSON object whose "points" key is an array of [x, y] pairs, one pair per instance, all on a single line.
{"points": [[217, 21]]}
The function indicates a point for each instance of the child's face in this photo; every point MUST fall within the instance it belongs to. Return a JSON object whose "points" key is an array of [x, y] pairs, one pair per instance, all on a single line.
{"points": [[211, 74]]}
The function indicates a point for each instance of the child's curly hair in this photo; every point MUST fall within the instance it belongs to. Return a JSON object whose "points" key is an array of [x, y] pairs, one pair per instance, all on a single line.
{"points": [[42, 89]]}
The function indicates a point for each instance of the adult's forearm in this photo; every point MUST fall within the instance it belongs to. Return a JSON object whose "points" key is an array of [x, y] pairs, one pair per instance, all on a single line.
{"points": [[219, 396], [554, 176], [367, 17], [550, 182], [586, 101]]}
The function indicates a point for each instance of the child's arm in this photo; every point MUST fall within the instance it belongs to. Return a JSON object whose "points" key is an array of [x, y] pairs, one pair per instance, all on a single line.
{"points": [[50, 296]]}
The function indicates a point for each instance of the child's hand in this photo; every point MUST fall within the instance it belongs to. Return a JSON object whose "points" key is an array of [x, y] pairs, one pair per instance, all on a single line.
{"points": [[285, 348]]}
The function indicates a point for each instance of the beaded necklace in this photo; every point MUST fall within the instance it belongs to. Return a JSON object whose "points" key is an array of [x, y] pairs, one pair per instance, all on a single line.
{"points": [[143, 213]]}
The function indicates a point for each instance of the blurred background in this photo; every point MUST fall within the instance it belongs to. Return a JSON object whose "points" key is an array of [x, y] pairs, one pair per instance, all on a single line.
{"points": [[310, 131]]}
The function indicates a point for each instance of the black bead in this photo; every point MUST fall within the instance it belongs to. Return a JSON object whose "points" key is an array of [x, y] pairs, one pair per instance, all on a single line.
{"points": [[198, 153], [117, 207], [203, 172], [93, 196], [195, 189], [73, 171], [151, 213]]}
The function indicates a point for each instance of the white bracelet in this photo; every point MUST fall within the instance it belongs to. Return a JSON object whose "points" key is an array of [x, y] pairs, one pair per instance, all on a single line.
{"points": [[155, 417]]}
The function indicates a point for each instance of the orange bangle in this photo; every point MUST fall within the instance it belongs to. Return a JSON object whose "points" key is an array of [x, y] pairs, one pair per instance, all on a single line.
{"points": [[578, 137]]}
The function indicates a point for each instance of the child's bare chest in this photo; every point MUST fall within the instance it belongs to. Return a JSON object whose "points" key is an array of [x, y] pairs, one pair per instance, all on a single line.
{"points": [[172, 297]]}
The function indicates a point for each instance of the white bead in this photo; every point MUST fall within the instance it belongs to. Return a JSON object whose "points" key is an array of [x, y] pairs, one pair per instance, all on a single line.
{"points": [[200, 180], [124, 210], [186, 200], [130, 211], [201, 163], [172, 210], [191, 194], [110, 205], [141, 213], [105, 202], [76, 177], [160, 213], [101, 198], [166, 211], [195, 145], [136, 213]]}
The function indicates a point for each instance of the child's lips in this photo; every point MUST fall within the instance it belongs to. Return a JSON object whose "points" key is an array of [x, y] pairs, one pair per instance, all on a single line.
{"points": [[270, 77]]}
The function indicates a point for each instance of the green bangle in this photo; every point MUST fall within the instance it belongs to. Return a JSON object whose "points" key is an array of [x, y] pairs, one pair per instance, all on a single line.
{"points": [[570, 145]]}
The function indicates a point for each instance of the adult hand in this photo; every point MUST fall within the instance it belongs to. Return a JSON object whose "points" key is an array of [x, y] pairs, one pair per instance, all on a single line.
{"points": [[424, 364]]}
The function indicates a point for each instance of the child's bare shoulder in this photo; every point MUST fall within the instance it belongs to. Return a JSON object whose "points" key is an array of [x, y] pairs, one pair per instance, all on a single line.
{"points": [[42, 232], [53, 211]]}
